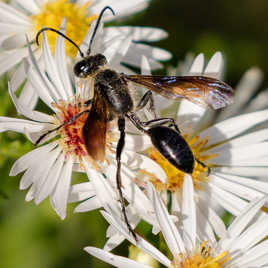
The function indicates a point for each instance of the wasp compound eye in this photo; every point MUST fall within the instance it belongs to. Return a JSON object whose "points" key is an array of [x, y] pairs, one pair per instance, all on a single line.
{"points": [[82, 69]]}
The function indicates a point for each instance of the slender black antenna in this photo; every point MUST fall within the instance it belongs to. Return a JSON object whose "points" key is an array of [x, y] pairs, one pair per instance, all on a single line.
{"points": [[61, 34], [97, 25]]}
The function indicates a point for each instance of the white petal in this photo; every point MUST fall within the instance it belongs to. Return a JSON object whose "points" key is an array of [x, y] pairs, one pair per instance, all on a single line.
{"points": [[154, 54], [246, 88], [214, 66], [188, 213], [28, 97], [116, 50], [233, 184], [26, 110], [259, 261], [145, 66], [19, 125], [61, 62], [190, 114], [120, 7], [254, 234], [253, 254], [240, 223], [13, 42], [137, 33], [258, 103], [39, 82], [204, 229], [113, 241], [136, 142], [228, 201], [10, 58], [168, 228], [26, 161], [60, 195], [140, 162], [39, 87], [233, 126], [113, 259], [106, 195], [52, 70], [260, 186], [31, 6], [141, 243], [251, 138], [81, 191], [37, 173], [51, 181], [90, 204], [10, 14], [212, 219], [244, 171], [197, 65], [40, 174], [7, 28], [238, 156]]}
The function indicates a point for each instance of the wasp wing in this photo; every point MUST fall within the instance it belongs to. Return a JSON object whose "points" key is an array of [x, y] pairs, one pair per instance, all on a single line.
{"points": [[201, 90], [95, 128]]}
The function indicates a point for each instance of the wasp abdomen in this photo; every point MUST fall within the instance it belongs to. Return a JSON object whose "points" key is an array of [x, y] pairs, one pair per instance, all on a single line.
{"points": [[173, 147]]}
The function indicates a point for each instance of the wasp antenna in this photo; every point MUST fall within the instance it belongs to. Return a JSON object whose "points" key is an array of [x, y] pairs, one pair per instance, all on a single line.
{"points": [[97, 26], [61, 34]]}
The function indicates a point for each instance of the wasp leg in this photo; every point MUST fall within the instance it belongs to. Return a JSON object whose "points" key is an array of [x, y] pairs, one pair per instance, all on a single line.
{"points": [[147, 97], [161, 121], [155, 122], [119, 149], [204, 166], [62, 125]]}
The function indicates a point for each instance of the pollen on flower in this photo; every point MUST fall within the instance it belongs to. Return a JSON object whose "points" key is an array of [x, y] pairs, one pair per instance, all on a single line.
{"points": [[176, 176], [71, 136], [78, 21], [202, 257], [71, 140]]}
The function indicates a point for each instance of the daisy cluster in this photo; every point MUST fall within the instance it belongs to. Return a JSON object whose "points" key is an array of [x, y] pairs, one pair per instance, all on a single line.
{"points": [[184, 210]]}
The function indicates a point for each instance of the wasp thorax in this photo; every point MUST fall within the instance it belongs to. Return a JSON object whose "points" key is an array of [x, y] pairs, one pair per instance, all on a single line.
{"points": [[89, 66]]}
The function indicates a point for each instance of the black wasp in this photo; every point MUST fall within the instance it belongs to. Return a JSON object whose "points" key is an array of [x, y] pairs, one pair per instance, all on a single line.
{"points": [[112, 99]]}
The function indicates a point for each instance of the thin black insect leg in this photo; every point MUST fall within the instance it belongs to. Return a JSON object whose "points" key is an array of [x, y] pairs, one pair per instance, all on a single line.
{"points": [[136, 121], [119, 149], [161, 121], [204, 166], [147, 97], [62, 125], [155, 122]]}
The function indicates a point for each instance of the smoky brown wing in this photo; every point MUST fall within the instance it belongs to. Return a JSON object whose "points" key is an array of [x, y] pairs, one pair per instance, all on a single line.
{"points": [[95, 128], [201, 90]]}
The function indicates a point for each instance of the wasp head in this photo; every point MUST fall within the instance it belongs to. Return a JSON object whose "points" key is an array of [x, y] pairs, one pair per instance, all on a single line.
{"points": [[89, 66]]}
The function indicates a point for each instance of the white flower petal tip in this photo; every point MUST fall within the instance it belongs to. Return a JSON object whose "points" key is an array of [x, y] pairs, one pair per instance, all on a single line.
{"points": [[215, 65], [112, 259], [197, 65], [145, 66]]}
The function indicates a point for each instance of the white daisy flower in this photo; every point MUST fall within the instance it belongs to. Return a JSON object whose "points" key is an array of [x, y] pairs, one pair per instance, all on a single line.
{"points": [[232, 150], [242, 247], [22, 18], [48, 168], [234, 157]]}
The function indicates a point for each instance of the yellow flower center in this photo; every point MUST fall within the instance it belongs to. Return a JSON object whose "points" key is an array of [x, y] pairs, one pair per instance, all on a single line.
{"points": [[78, 22], [176, 176], [202, 258]]}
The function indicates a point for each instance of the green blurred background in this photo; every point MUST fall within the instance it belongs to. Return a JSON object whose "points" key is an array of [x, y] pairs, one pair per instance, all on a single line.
{"points": [[34, 236]]}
